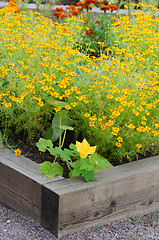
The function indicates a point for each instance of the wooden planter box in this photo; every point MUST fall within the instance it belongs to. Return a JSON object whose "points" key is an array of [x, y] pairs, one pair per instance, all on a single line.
{"points": [[67, 205]]}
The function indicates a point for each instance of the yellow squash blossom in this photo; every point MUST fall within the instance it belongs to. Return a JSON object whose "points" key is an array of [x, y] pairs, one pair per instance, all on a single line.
{"points": [[84, 148]]}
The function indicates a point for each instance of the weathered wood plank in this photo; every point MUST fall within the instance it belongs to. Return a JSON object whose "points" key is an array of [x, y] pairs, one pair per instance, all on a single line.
{"points": [[19, 204], [67, 205], [20, 184], [121, 192]]}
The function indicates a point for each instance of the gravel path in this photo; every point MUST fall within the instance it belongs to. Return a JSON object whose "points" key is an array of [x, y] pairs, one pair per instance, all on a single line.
{"points": [[14, 226]]}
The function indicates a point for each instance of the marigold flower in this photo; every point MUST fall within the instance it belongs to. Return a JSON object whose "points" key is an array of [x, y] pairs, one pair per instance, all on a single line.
{"points": [[113, 7], [131, 126], [68, 107], [72, 7], [155, 133], [63, 15], [120, 139], [91, 124], [84, 148], [156, 125], [57, 109], [74, 12], [138, 146], [89, 32], [110, 96], [17, 152], [105, 7], [118, 144], [81, 3], [147, 112], [59, 9], [86, 114]]}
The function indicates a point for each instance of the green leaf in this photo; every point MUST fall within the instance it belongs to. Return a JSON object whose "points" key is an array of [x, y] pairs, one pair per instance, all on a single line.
{"points": [[75, 172], [89, 176], [45, 166], [55, 151], [43, 144], [99, 162], [50, 170], [49, 133], [65, 121], [72, 146], [67, 128], [86, 164]]}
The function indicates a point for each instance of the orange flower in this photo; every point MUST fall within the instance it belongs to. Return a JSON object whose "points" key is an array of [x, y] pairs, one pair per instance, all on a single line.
{"points": [[86, 114], [105, 7], [138, 146], [81, 3], [59, 9], [74, 12], [57, 109], [91, 124], [113, 7], [68, 107], [71, 7], [131, 126], [118, 144], [89, 32], [17, 152], [62, 15], [120, 139]]}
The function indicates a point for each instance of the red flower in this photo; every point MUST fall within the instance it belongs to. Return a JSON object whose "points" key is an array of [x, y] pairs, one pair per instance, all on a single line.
{"points": [[56, 14], [71, 7], [113, 7], [105, 7], [59, 9], [74, 12], [81, 4], [62, 16], [89, 32], [109, 7]]}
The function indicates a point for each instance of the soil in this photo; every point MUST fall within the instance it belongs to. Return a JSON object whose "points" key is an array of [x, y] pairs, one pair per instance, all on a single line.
{"points": [[31, 151]]}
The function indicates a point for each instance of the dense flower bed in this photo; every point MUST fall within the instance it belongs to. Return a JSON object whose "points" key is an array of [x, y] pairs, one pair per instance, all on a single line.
{"points": [[113, 99]]}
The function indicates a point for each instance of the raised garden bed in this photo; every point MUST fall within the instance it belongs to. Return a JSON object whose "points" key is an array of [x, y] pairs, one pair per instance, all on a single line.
{"points": [[67, 205]]}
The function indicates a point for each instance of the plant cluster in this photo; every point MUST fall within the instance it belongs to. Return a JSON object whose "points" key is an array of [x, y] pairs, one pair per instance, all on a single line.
{"points": [[112, 100]]}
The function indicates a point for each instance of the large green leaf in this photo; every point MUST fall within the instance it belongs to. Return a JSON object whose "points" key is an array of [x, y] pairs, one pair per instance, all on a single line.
{"points": [[60, 118], [43, 144], [99, 162], [49, 133], [50, 170]]}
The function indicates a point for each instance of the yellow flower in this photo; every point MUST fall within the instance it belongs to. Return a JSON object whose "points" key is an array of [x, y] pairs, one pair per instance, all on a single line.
{"points": [[118, 144], [131, 126], [84, 148], [57, 109], [138, 146], [17, 152], [120, 139], [86, 114]]}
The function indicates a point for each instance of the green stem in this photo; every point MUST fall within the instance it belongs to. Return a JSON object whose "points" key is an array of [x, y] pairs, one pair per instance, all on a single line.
{"points": [[60, 132], [68, 165], [54, 160], [63, 140]]}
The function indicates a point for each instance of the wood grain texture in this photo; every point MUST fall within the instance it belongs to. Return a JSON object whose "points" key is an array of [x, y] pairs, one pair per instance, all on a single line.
{"points": [[21, 183], [67, 205], [120, 192], [20, 204]]}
